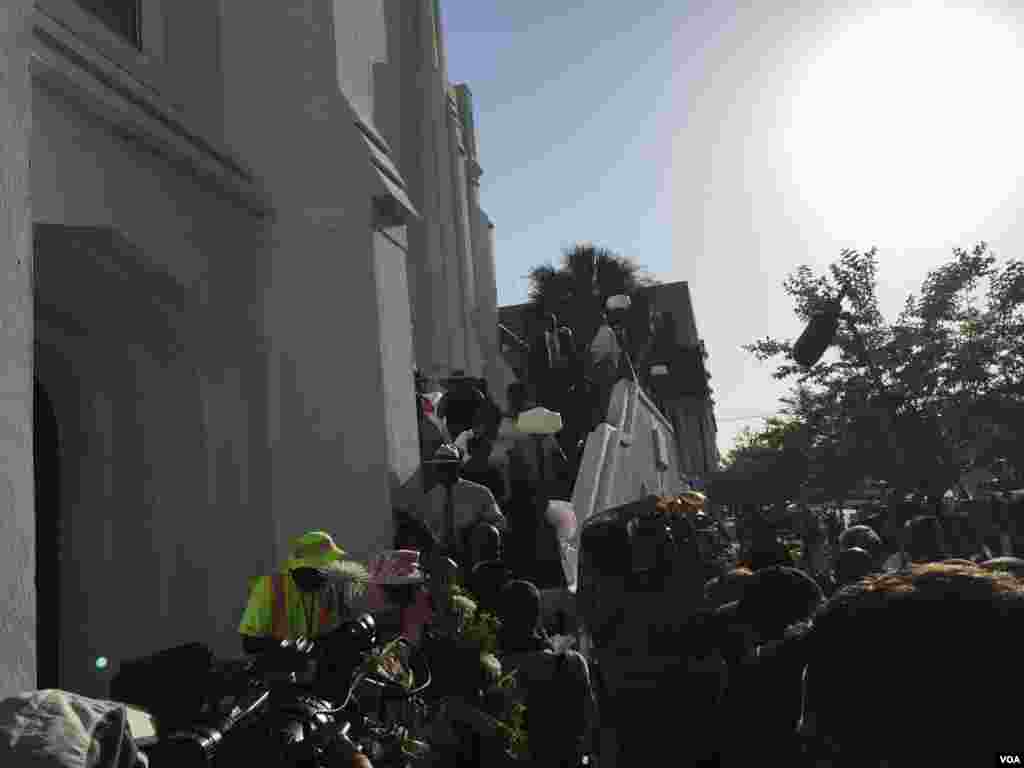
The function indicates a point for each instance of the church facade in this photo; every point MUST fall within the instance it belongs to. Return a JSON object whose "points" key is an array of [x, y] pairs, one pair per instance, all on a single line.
{"points": [[231, 231]]}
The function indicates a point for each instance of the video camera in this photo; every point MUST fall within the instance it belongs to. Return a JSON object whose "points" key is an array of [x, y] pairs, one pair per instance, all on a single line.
{"points": [[274, 708]]}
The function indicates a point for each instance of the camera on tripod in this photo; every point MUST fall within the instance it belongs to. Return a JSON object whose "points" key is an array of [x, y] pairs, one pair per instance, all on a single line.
{"points": [[274, 708]]}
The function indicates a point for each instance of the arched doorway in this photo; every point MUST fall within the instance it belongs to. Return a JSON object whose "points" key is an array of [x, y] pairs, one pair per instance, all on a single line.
{"points": [[46, 454]]}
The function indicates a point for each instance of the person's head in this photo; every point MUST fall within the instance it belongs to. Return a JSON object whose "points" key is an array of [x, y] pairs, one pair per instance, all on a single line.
{"points": [[895, 664], [484, 543], [446, 464], [551, 323], [461, 410], [311, 559], [519, 609], [412, 533], [487, 580], [398, 574], [777, 597], [617, 307], [862, 537], [924, 540], [852, 565]]}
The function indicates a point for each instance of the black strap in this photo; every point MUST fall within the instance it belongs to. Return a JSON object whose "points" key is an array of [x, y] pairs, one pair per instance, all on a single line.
{"points": [[449, 518], [308, 610], [541, 469]]}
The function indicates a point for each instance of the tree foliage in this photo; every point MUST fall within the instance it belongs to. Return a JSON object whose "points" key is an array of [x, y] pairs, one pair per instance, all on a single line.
{"points": [[576, 290], [918, 401], [766, 466]]}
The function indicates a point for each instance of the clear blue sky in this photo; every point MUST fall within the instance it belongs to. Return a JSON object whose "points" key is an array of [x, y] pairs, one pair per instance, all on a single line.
{"points": [[725, 145]]}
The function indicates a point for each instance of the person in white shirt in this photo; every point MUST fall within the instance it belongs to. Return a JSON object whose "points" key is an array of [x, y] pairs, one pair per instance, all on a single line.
{"points": [[470, 503]]}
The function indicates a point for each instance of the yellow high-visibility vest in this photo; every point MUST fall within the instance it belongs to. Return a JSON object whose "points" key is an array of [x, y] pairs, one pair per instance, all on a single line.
{"points": [[284, 618]]}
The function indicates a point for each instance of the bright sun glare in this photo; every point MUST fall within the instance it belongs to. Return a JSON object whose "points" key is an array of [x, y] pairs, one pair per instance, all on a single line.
{"points": [[907, 130]]}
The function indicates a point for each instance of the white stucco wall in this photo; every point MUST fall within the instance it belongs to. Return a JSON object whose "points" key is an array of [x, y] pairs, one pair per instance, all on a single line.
{"points": [[287, 405], [360, 40], [193, 62], [330, 451], [397, 357], [170, 463], [17, 520], [425, 135]]}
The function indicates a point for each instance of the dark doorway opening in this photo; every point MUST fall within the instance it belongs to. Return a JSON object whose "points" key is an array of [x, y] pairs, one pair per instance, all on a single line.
{"points": [[46, 453]]}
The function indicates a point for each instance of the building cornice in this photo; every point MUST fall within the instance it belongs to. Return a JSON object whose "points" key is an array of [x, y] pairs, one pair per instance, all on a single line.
{"points": [[136, 112]]}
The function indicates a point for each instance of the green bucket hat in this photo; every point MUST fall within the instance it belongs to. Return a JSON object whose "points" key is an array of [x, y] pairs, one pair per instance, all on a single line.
{"points": [[315, 549]]}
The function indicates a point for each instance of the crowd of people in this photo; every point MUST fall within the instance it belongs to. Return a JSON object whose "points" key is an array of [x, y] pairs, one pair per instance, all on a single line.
{"points": [[882, 660], [876, 659], [481, 465], [855, 665], [470, 530]]}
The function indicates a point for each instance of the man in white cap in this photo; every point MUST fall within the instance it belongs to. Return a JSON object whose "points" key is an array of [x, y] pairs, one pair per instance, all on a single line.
{"points": [[606, 354], [455, 505]]}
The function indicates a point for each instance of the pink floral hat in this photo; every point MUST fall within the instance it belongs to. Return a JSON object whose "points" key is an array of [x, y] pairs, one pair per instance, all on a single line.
{"points": [[397, 567]]}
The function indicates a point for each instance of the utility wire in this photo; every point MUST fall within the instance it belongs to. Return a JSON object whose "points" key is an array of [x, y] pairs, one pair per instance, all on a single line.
{"points": [[720, 420]]}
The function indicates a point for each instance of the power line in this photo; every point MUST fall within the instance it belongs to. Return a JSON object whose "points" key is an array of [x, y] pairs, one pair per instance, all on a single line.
{"points": [[745, 418]]}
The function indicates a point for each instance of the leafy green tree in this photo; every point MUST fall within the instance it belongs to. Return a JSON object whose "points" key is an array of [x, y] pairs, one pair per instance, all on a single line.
{"points": [[576, 292], [766, 466], [918, 401]]}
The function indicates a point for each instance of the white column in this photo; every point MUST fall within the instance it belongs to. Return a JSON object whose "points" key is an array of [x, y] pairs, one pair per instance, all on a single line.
{"points": [[463, 241], [427, 238], [452, 316]]}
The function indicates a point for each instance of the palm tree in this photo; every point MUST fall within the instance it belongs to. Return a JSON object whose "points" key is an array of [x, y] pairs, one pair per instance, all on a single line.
{"points": [[576, 292]]}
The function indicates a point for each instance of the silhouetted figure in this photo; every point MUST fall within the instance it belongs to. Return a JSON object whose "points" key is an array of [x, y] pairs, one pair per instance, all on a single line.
{"points": [[766, 694], [537, 474], [852, 565], [942, 632], [480, 468], [573, 398], [547, 364], [554, 686], [461, 402], [862, 537], [923, 542], [605, 363], [455, 504]]}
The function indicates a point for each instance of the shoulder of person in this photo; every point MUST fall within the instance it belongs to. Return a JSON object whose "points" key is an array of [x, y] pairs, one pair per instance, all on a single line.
{"points": [[574, 662], [476, 489]]}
